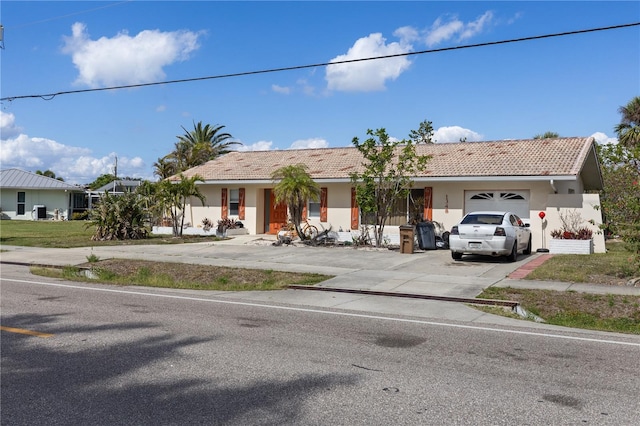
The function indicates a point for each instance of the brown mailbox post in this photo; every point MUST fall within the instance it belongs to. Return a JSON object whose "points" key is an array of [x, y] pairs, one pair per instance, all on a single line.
{"points": [[406, 239]]}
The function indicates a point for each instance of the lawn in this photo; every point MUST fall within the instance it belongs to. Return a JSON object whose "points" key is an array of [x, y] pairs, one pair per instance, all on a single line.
{"points": [[613, 267], [72, 233], [181, 275], [608, 312]]}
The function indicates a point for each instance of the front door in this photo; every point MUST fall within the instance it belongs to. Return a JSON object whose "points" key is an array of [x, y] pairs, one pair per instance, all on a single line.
{"points": [[276, 214]]}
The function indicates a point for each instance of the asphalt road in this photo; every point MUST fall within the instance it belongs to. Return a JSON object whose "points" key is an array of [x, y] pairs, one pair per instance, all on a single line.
{"points": [[139, 356]]}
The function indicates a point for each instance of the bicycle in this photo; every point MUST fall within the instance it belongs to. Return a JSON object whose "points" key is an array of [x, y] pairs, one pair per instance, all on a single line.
{"points": [[309, 231]]}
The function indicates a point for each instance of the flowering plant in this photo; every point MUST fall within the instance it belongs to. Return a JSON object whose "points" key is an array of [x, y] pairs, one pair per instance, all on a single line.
{"points": [[578, 234], [571, 228]]}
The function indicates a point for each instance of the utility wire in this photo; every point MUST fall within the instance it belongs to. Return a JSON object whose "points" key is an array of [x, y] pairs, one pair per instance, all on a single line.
{"points": [[50, 96], [67, 16]]}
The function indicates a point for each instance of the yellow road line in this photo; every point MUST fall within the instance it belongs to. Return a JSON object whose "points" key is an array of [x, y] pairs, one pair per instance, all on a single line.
{"points": [[23, 331]]}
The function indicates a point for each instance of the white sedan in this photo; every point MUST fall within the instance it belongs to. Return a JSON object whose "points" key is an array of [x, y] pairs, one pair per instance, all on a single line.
{"points": [[490, 233]]}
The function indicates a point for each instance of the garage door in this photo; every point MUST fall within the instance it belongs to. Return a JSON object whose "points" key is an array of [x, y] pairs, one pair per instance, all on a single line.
{"points": [[513, 201]]}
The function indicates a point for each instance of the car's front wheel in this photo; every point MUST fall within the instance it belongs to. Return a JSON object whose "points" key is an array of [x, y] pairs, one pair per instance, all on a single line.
{"points": [[456, 256]]}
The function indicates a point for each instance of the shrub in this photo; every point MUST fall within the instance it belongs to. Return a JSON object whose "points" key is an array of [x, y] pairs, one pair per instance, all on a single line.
{"points": [[228, 223], [207, 224], [80, 215], [579, 234], [118, 218]]}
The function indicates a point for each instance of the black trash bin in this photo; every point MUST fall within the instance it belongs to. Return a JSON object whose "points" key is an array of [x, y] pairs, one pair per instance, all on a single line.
{"points": [[426, 232]]}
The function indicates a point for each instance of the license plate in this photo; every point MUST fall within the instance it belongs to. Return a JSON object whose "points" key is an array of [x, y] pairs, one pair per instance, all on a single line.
{"points": [[475, 245]]}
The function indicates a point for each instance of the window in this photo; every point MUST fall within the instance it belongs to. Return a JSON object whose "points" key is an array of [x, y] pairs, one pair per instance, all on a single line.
{"points": [[80, 201], [403, 211], [21, 203], [234, 202], [510, 196], [483, 196], [313, 210]]}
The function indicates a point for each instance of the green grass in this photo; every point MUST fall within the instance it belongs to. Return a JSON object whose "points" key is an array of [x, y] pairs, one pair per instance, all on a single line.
{"points": [[611, 267], [73, 233], [182, 276], [608, 312]]}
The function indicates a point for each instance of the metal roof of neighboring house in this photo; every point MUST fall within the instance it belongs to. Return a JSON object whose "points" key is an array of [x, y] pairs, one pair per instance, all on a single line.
{"points": [[534, 158], [20, 179], [119, 186]]}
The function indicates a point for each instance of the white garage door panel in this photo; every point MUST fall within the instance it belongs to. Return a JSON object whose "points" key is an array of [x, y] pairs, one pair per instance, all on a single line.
{"points": [[505, 200]]}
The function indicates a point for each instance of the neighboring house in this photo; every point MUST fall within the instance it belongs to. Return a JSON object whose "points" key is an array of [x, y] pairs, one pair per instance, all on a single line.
{"points": [[115, 187], [29, 196], [555, 176]]}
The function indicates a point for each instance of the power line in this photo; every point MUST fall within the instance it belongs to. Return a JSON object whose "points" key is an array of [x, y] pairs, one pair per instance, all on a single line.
{"points": [[67, 15], [50, 96]]}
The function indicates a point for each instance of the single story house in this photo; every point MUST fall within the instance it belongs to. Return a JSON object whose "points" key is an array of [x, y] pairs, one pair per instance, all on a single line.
{"points": [[115, 187], [29, 196], [560, 177]]}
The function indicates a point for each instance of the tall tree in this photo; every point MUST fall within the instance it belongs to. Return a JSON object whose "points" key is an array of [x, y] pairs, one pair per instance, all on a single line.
{"points": [[389, 166], [547, 135], [195, 147], [629, 128], [295, 187], [102, 180], [164, 168], [621, 174], [49, 173], [424, 134], [173, 197]]}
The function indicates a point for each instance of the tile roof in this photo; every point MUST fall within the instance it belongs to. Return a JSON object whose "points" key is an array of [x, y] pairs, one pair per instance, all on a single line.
{"points": [[20, 179], [509, 158]]}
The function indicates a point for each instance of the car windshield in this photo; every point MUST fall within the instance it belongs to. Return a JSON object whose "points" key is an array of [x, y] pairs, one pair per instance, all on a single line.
{"points": [[482, 219]]}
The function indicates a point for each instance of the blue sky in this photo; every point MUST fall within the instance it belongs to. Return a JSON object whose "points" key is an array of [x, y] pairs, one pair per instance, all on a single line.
{"points": [[572, 85]]}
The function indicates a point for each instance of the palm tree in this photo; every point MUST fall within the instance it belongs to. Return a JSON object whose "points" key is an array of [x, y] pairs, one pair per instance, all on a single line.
{"points": [[629, 128], [200, 145], [164, 167], [295, 187], [173, 196], [547, 135]]}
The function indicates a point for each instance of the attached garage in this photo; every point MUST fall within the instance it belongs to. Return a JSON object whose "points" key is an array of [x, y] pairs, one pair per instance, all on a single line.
{"points": [[501, 200], [526, 177]]}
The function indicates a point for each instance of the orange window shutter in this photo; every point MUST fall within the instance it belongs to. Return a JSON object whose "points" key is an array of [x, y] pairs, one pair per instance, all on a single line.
{"points": [[428, 203], [223, 204], [304, 213], [354, 210], [323, 204], [241, 204]]}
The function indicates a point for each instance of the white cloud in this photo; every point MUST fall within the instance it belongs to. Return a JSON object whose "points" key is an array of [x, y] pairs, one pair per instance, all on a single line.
{"points": [[444, 29], [280, 89], [161, 108], [447, 134], [368, 75], [441, 31], [8, 126], [309, 143], [603, 139], [258, 146], [124, 60], [74, 164]]}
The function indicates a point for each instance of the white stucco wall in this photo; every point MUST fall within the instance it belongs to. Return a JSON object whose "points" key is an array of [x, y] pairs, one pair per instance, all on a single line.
{"points": [[448, 206], [52, 200]]}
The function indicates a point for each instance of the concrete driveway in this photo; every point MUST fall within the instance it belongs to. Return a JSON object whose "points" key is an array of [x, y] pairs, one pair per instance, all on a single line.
{"points": [[430, 272]]}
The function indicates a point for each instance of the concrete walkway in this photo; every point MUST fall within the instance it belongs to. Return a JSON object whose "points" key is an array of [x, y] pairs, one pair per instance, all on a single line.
{"points": [[424, 273]]}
